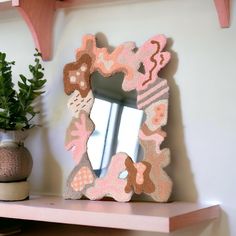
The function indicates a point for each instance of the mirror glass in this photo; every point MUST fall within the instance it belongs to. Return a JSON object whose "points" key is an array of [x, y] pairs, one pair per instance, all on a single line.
{"points": [[117, 122]]}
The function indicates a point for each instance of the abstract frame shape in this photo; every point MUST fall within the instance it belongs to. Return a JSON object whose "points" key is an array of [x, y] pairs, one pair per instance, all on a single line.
{"points": [[147, 176]]}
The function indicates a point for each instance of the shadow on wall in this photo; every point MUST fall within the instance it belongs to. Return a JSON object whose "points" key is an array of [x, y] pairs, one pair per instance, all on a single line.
{"points": [[184, 188], [102, 42], [221, 225], [52, 173], [46, 173]]}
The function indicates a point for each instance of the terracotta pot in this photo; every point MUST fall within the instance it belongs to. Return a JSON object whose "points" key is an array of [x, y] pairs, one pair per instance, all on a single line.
{"points": [[15, 159]]}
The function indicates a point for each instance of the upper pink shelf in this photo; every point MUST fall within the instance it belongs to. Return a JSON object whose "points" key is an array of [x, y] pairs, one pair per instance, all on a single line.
{"points": [[39, 16], [146, 216]]}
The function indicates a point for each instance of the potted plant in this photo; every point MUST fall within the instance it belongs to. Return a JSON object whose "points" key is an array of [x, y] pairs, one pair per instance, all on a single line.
{"points": [[17, 111]]}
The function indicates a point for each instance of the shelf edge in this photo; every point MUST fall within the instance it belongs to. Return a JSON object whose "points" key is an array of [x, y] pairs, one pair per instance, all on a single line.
{"points": [[185, 220], [141, 216]]}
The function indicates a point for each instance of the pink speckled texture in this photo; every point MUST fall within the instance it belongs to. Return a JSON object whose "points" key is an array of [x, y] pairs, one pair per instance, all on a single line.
{"points": [[111, 185], [83, 177]]}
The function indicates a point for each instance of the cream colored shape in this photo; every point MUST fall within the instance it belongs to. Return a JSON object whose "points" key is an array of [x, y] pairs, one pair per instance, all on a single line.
{"points": [[151, 113], [83, 68], [76, 103], [82, 83], [73, 79], [106, 63], [14, 191]]}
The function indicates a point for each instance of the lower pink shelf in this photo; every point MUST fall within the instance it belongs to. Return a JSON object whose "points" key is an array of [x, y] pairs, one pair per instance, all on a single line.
{"points": [[146, 216]]}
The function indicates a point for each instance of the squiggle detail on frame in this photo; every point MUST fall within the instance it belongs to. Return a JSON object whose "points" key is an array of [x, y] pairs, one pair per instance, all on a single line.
{"points": [[147, 176]]}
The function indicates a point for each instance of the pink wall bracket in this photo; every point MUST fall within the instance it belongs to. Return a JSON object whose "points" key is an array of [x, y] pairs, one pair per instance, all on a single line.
{"points": [[39, 16], [223, 11]]}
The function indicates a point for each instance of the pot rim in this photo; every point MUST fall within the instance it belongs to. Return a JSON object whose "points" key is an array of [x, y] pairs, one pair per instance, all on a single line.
{"points": [[13, 136]]}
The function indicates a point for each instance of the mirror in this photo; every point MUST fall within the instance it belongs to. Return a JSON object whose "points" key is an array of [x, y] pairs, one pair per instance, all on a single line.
{"points": [[108, 163], [113, 111]]}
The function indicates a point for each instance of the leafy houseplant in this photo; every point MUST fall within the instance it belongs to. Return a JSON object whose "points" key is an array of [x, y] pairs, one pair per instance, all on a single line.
{"points": [[16, 114], [16, 109]]}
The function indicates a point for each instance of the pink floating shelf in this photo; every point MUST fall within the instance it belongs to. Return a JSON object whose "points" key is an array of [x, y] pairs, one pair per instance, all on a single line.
{"points": [[146, 216]]}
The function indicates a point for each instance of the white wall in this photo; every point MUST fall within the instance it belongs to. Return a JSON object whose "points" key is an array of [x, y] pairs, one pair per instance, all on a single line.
{"points": [[202, 74]]}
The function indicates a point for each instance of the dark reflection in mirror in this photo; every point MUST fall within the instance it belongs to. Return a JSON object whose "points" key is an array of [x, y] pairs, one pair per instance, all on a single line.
{"points": [[117, 122]]}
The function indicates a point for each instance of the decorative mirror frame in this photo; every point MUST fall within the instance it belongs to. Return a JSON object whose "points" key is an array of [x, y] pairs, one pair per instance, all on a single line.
{"points": [[146, 176]]}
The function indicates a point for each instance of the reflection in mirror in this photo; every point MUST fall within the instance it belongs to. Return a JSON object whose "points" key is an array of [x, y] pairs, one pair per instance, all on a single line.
{"points": [[117, 122]]}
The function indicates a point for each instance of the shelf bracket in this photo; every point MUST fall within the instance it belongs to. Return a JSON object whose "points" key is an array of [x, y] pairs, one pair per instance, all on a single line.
{"points": [[39, 16], [223, 11]]}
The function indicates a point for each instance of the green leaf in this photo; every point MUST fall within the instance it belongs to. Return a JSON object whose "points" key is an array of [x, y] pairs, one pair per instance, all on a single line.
{"points": [[16, 110], [23, 78], [21, 85]]}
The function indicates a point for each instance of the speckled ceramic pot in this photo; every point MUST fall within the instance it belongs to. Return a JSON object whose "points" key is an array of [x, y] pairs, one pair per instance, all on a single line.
{"points": [[15, 159]]}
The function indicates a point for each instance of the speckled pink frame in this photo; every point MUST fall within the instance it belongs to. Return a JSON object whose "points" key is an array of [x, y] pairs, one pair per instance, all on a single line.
{"points": [[147, 176]]}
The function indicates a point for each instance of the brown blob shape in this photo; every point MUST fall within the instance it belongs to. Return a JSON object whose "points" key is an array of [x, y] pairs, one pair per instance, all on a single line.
{"points": [[146, 187], [85, 76]]}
